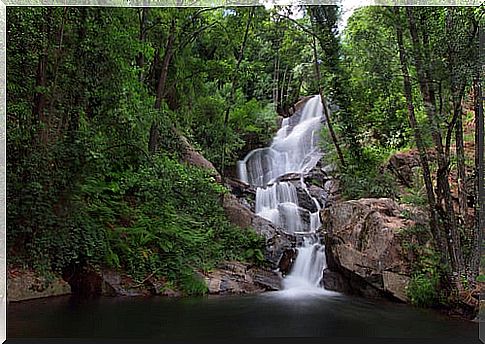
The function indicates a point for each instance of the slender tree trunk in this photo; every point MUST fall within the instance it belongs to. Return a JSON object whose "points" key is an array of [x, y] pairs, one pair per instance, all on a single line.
{"points": [[286, 93], [154, 130], [475, 259], [57, 60], [325, 107], [38, 109], [457, 90], [479, 165], [423, 156], [282, 91], [460, 160], [140, 59], [276, 81], [444, 193], [233, 90]]}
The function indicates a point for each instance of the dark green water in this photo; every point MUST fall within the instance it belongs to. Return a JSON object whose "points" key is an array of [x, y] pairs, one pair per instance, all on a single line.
{"points": [[266, 315]]}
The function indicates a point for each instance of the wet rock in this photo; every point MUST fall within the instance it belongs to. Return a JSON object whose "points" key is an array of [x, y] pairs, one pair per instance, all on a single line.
{"points": [[289, 177], [267, 279], [298, 106], [305, 217], [277, 241], [23, 284], [304, 200], [320, 194], [279, 121], [317, 176], [240, 278], [335, 281], [287, 259], [364, 243]]}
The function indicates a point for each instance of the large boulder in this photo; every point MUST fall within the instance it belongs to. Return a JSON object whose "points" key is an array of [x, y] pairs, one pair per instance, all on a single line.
{"points": [[277, 240], [305, 199], [403, 165], [236, 212], [240, 278], [192, 157], [364, 243], [23, 284], [90, 281]]}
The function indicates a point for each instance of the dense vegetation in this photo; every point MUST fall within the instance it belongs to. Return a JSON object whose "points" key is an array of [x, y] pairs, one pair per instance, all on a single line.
{"points": [[100, 98]]}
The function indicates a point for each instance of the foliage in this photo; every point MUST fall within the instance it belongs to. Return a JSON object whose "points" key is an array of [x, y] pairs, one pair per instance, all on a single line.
{"points": [[416, 194], [82, 187], [427, 272]]}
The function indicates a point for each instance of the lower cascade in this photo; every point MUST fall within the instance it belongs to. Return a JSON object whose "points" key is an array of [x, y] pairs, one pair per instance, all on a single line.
{"points": [[294, 151]]}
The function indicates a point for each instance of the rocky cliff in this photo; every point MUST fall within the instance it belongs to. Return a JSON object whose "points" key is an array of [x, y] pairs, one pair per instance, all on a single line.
{"points": [[364, 247]]}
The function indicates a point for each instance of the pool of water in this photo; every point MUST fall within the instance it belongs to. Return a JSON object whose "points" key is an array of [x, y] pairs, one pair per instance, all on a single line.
{"points": [[275, 314]]}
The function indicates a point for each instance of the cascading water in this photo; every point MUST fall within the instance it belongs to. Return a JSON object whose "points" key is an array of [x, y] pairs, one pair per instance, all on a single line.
{"points": [[294, 151]]}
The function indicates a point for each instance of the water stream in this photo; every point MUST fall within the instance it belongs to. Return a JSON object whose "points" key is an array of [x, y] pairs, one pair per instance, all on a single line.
{"points": [[294, 151]]}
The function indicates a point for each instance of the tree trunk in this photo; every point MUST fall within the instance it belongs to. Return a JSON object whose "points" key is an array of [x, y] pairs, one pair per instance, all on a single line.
{"points": [[282, 92], [444, 194], [460, 160], [423, 156], [325, 107], [140, 59], [479, 165], [276, 82], [38, 109], [233, 89], [479, 215], [154, 134]]}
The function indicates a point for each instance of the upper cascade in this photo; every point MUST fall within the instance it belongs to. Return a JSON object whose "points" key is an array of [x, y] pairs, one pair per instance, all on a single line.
{"points": [[294, 148]]}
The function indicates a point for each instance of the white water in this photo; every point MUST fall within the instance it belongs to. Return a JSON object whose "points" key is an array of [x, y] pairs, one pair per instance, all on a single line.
{"points": [[294, 150]]}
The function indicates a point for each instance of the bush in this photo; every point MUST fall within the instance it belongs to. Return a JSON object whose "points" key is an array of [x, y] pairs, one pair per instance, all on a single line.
{"points": [[163, 218], [423, 290]]}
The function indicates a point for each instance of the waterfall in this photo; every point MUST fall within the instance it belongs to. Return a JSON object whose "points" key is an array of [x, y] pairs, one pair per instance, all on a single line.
{"points": [[293, 151]]}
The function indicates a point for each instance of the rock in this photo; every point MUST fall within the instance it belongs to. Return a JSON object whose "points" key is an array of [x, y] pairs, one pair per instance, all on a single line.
{"points": [[23, 284], [328, 169], [267, 279], [363, 239], [396, 284], [320, 194], [237, 213], [332, 188], [304, 200], [277, 241], [401, 165], [239, 278], [194, 158], [279, 121], [305, 217], [317, 176], [288, 177], [88, 281], [287, 259], [335, 281]]}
